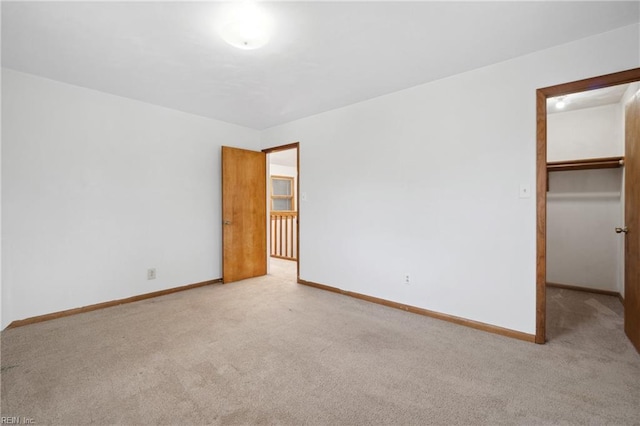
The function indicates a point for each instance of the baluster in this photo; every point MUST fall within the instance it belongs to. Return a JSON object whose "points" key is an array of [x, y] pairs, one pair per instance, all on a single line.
{"points": [[281, 217], [290, 235], [273, 232]]}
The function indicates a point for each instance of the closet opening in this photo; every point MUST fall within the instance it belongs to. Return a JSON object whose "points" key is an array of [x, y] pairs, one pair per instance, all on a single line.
{"points": [[587, 187]]}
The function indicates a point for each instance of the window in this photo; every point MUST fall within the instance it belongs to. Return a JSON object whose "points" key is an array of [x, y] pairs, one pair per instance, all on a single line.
{"points": [[282, 193]]}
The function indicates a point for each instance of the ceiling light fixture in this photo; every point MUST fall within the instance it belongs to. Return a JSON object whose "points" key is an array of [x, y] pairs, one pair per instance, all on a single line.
{"points": [[246, 26], [561, 103]]}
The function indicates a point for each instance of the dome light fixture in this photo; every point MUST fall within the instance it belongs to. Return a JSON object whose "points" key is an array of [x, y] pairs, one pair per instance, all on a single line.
{"points": [[561, 103], [246, 26]]}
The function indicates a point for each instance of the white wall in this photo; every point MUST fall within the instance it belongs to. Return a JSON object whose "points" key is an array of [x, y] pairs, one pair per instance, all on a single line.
{"points": [[585, 133], [629, 93], [98, 188], [2, 287], [426, 181], [583, 209]]}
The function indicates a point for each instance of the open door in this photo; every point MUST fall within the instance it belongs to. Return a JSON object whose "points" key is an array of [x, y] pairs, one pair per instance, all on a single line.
{"points": [[244, 228], [632, 220]]}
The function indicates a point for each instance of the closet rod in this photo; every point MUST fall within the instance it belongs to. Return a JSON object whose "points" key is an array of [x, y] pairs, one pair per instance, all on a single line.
{"points": [[586, 164]]}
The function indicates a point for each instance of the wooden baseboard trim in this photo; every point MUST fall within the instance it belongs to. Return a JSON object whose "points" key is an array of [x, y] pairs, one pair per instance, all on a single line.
{"points": [[585, 289], [433, 314], [75, 311]]}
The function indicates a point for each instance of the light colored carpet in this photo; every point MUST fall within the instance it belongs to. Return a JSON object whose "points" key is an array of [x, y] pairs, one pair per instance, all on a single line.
{"points": [[269, 351]]}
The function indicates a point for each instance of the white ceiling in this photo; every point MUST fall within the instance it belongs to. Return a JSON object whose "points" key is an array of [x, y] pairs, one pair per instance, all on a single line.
{"points": [[588, 99], [324, 55]]}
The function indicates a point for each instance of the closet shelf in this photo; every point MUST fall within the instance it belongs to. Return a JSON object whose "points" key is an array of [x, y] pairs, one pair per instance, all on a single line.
{"points": [[583, 195], [586, 164]]}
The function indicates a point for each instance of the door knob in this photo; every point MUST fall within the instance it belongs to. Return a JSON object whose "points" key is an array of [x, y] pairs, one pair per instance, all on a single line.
{"points": [[621, 230], [228, 222]]}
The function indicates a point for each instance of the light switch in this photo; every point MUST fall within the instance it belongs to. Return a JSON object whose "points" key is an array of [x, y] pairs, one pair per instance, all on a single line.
{"points": [[303, 196], [525, 190]]}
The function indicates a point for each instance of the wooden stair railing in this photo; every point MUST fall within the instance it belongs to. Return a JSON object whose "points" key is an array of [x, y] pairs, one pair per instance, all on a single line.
{"points": [[284, 233]]}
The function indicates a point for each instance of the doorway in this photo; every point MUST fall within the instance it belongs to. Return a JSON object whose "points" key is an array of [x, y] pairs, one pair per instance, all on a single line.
{"points": [[544, 167], [246, 204], [283, 210]]}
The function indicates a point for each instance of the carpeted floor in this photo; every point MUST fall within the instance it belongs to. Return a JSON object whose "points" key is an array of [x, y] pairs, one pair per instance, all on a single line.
{"points": [[269, 351]]}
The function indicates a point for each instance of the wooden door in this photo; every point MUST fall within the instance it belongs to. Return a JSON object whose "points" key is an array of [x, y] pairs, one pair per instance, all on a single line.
{"points": [[632, 219], [244, 215]]}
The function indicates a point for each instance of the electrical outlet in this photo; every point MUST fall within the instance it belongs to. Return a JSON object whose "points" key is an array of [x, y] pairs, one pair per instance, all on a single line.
{"points": [[407, 278], [151, 273]]}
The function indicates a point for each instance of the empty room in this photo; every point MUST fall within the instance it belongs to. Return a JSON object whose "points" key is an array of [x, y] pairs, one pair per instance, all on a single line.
{"points": [[322, 213]]}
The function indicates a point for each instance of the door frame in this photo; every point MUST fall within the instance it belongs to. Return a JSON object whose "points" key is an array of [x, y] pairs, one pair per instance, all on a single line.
{"points": [[623, 77], [296, 146]]}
